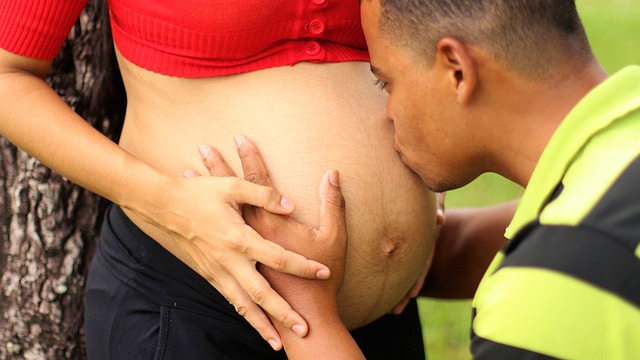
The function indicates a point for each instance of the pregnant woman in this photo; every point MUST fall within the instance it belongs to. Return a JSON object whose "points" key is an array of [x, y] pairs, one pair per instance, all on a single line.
{"points": [[290, 75]]}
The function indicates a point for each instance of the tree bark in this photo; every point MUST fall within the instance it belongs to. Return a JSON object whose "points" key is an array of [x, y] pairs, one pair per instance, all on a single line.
{"points": [[49, 226]]}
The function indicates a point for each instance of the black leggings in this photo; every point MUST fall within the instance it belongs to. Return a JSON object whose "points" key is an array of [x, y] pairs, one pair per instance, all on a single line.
{"points": [[144, 303]]}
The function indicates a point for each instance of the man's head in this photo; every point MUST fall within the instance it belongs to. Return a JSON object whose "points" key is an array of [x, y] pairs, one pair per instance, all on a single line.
{"points": [[452, 65], [521, 34]]}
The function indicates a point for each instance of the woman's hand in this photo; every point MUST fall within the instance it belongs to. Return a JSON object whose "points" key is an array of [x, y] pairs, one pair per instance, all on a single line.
{"points": [[229, 280], [316, 300], [223, 249], [326, 243]]}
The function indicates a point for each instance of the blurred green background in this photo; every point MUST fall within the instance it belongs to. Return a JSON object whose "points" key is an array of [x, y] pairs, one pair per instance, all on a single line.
{"points": [[613, 28]]}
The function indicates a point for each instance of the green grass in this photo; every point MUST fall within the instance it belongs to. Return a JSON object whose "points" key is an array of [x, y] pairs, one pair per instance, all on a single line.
{"points": [[614, 33]]}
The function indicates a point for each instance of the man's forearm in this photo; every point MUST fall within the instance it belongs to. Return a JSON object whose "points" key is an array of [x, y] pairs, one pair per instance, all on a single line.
{"points": [[327, 338], [467, 243]]}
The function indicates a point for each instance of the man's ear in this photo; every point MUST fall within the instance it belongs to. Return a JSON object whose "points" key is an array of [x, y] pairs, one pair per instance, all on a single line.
{"points": [[456, 60]]}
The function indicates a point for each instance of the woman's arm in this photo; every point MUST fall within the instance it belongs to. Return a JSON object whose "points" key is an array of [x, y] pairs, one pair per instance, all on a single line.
{"points": [[201, 214], [328, 338]]}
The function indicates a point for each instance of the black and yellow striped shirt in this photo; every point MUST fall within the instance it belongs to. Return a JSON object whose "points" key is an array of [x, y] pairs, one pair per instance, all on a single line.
{"points": [[567, 285]]}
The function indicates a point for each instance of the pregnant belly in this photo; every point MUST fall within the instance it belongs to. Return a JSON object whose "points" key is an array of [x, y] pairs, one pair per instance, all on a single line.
{"points": [[305, 120]]}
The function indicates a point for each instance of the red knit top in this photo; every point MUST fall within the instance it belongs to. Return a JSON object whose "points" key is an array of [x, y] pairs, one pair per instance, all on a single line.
{"points": [[197, 38]]}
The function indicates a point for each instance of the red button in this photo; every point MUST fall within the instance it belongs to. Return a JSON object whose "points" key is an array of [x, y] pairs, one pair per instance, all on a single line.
{"points": [[316, 27], [312, 48], [319, 2]]}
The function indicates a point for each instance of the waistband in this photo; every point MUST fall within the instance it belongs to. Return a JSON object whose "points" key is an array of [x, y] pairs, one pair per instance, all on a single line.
{"points": [[141, 263]]}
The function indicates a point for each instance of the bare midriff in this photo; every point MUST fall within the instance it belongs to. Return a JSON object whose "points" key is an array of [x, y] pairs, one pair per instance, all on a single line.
{"points": [[305, 119]]}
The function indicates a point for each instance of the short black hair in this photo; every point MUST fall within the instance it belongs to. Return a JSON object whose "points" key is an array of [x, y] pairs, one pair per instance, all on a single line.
{"points": [[525, 35]]}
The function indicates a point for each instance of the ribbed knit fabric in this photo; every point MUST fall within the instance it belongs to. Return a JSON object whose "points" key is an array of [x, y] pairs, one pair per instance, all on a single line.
{"points": [[197, 38], [37, 28]]}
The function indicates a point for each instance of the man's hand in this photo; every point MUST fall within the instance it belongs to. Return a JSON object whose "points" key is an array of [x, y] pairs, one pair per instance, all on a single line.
{"points": [[326, 242], [229, 263]]}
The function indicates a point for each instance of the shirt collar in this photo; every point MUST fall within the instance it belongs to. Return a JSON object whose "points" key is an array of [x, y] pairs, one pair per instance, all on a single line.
{"points": [[612, 99]]}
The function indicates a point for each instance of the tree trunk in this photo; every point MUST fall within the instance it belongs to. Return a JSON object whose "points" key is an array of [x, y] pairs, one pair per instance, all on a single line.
{"points": [[49, 226]]}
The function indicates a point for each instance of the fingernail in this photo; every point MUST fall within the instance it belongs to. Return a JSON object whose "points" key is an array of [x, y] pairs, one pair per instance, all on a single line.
{"points": [[286, 203], [273, 343], [204, 151], [189, 174], [239, 140], [298, 329], [334, 178], [323, 274]]}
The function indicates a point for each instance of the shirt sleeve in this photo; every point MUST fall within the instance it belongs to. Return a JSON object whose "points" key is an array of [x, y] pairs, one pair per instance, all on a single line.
{"points": [[568, 292], [37, 28]]}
